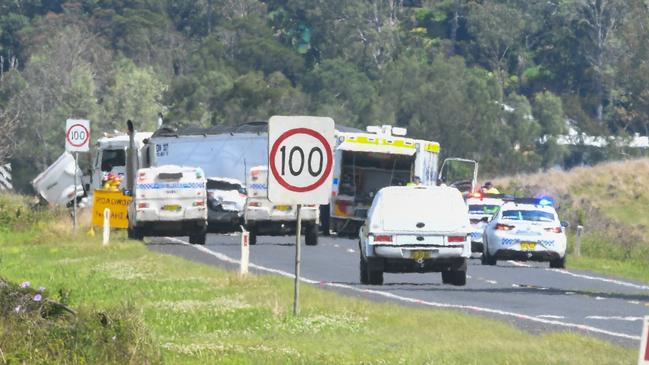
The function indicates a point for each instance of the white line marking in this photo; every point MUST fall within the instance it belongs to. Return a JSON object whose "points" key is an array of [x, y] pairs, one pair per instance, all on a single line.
{"points": [[634, 302], [491, 281], [225, 258], [551, 316], [599, 298], [616, 318], [606, 280], [350, 250], [336, 245]]}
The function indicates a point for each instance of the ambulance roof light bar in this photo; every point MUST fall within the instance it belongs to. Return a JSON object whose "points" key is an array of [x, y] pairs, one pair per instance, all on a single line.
{"points": [[386, 130]]}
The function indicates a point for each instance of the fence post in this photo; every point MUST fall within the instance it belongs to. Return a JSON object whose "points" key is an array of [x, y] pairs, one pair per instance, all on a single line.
{"points": [[576, 252]]}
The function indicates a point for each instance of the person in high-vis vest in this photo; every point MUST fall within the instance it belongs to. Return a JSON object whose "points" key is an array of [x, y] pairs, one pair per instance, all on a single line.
{"points": [[488, 188], [416, 181]]}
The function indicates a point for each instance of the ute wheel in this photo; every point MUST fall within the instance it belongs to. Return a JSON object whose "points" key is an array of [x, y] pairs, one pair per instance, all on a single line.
{"points": [[457, 278], [559, 263], [311, 235], [135, 233], [198, 238], [252, 237], [363, 271]]}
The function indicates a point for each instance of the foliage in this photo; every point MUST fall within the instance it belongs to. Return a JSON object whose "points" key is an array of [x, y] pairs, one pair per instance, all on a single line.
{"points": [[440, 68]]}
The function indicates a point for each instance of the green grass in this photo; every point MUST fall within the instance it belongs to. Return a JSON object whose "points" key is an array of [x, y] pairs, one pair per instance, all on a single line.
{"points": [[199, 314]]}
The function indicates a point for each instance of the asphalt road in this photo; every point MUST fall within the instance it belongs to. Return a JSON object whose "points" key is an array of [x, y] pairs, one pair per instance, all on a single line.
{"points": [[529, 295]]}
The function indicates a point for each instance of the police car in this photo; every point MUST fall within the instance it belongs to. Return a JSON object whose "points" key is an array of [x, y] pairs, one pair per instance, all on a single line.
{"points": [[527, 230], [481, 207]]}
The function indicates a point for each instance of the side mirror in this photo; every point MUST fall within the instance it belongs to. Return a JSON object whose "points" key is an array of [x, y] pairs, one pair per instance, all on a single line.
{"points": [[565, 224]]}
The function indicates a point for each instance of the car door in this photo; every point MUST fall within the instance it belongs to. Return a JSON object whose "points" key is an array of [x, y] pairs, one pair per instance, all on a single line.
{"points": [[459, 173]]}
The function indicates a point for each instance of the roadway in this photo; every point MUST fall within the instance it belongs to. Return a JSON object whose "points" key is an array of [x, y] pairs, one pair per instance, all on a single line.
{"points": [[528, 295]]}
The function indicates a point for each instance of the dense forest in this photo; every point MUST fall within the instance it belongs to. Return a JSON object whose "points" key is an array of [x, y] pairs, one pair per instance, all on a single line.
{"points": [[487, 79]]}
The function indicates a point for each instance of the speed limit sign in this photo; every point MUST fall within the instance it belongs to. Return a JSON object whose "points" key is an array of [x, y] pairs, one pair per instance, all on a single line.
{"points": [[77, 135], [300, 159]]}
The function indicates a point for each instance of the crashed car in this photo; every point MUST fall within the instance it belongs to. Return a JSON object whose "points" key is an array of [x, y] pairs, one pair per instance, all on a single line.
{"points": [[226, 200]]}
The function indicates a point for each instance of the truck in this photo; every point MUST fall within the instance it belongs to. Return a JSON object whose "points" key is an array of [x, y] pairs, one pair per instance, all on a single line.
{"points": [[265, 218], [169, 200], [365, 162], [110, 157]]}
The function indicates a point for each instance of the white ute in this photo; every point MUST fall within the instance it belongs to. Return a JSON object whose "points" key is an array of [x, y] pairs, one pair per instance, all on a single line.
{"points": [[416, 229], [265, 218], [169, 200]]}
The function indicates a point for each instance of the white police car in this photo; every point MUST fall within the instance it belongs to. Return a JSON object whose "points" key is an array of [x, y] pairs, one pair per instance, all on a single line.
{"points": [[481, 207], [527, 230]]}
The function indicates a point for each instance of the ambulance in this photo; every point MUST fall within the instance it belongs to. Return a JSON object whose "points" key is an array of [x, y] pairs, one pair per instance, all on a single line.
{"points": [[169, 200], [365, 162]]}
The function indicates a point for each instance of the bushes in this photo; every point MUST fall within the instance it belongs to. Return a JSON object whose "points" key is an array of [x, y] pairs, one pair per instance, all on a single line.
{"points": [[37, 330]]}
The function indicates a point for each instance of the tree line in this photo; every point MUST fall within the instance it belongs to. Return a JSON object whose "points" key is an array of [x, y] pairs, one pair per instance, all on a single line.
{"points": [[486, 79]]}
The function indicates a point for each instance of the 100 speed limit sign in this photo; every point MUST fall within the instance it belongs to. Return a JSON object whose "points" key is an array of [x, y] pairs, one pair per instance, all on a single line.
{"points": [[77, 135], [300, 159]]}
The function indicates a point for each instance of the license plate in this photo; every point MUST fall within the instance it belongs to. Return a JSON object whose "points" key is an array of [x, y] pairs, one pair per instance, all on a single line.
{"points": [[528, 246], [171, 207], [419, 254], [283, 208]]}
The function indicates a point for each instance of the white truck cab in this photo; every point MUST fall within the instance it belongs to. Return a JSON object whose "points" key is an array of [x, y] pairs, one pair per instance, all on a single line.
{"points": [[111, 156], [265, 218], [169, 200]]}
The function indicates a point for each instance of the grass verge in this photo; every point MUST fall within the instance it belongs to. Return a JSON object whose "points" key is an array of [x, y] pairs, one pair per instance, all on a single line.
{"points": [[197, 314]]}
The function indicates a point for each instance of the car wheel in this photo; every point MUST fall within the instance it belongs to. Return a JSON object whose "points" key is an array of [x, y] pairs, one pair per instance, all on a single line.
{"points": [[363, 271], [486, 258], [311, 235], [559, 263], [252, 237], [374, 277], [198, 238]]}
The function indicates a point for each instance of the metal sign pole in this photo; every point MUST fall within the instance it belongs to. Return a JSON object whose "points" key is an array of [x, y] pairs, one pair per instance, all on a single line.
{"points": [[298, 231], [74, 201]]}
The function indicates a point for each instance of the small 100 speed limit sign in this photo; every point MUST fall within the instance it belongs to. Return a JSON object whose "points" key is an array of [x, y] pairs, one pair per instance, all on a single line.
{"points": [[300, 159]]}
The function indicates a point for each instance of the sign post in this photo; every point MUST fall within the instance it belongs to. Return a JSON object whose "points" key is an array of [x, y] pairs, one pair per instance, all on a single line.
{"points": [[300, 162], [77, 139]]}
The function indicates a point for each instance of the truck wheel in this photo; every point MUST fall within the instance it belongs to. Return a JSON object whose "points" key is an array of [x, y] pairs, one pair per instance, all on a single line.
{"points": [[311, 235], [198, 238], [363, 271], [252, 237], [559, 263], [135, 233], [324, 219]]}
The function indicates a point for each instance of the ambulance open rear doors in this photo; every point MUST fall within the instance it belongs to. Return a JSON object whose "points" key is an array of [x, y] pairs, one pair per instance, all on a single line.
{"points": [[459, 173]]}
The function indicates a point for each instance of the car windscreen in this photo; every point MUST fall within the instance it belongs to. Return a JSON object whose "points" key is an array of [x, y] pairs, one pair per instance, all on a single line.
{"points": [[483, 209], [528, 215], [222, 185]]}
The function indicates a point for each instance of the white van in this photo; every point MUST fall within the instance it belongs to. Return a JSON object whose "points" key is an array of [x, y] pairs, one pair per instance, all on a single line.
{"points": [[169, 200], [416, 229], [265, 218]]}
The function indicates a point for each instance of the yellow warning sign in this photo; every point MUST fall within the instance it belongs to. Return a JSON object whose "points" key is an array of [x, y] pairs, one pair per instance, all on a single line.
{"points": [[116, 202]]}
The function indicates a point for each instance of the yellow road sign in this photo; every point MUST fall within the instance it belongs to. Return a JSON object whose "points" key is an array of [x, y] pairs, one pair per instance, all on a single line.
{"points": [[116, 202]]}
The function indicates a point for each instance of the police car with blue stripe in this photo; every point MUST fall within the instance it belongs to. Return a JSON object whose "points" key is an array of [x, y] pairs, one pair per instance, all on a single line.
{"points": [[525, 229]]}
